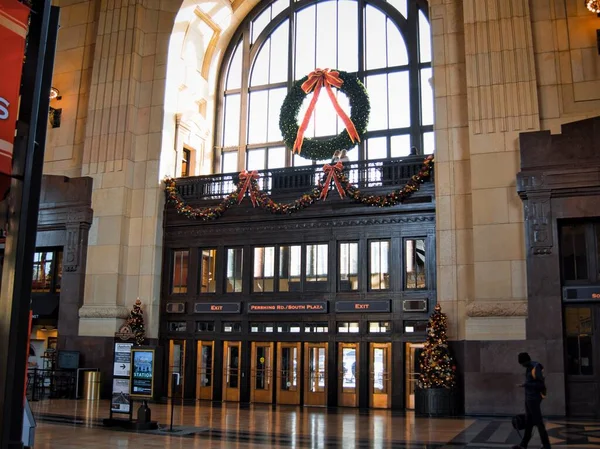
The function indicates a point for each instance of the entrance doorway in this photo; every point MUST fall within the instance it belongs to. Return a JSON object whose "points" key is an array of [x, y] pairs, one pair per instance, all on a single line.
{"points": [[348, 374], [288, 379], [261, 381], [380, 386], [582, 359], [205, 368], [232, 370], [176, 366], [412, 371], [315, 374]]}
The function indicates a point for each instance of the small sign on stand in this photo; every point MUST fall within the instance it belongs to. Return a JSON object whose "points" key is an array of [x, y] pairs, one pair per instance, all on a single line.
{"points": [[121, 402]]}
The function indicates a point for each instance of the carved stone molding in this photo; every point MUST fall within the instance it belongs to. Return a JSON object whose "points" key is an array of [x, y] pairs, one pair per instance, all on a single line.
{"points": [[103, 312], [497, 309], [538, 219], [202, 230]]}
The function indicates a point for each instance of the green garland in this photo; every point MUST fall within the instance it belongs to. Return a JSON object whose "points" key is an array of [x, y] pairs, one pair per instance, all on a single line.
{"points": [[265, 202], [319, 150]]}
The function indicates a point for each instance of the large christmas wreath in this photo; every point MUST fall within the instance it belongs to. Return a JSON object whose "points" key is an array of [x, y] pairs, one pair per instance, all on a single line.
{"points": [[356, 124]]}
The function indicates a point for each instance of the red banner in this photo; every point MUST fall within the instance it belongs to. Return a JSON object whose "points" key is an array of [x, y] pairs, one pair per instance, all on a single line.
{"points": [[13, 30]]}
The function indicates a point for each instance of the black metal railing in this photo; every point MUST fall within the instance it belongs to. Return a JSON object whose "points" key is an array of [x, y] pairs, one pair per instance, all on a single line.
{"points": [[391, 173]]}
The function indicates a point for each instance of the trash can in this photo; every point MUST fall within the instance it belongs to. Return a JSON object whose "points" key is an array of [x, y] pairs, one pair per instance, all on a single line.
{"points": [[91, 385]]}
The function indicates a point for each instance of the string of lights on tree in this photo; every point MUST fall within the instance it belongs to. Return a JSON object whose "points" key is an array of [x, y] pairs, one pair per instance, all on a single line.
{"points": [[248, 185], [437, 367], [136, 322]]}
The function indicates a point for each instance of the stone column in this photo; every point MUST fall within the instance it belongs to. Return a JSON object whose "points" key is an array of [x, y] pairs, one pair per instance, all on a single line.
{"points": [[121, 153], [502, 102]]}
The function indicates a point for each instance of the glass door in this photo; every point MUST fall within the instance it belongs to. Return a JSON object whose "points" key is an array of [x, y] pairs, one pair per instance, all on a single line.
{"points": [[348, 374], [177, 367], [231, 370], [315, 374], [288, 366], [205, 368], [412, 370], [261, 389], [380, 364]]}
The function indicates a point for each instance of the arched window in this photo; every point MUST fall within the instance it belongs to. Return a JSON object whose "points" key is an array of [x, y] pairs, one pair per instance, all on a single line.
{"points": [[385, 43]]}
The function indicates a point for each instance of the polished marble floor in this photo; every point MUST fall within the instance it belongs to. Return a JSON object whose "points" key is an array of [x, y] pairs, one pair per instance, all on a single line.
{"points": [[68, 424]]}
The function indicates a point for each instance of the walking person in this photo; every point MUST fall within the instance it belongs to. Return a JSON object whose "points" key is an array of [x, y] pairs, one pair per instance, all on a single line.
{"points": [[535, 392]]}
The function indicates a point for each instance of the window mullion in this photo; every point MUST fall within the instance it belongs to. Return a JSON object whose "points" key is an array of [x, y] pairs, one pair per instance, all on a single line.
{"points": [[416, 140], [244, 98]]}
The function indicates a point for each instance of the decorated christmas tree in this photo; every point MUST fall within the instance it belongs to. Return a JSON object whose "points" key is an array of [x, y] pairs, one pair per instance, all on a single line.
{"points": [[437, 367], [136, 322]]}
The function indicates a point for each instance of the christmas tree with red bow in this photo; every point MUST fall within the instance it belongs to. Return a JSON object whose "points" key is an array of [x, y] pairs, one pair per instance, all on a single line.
{"points": [[437, 367], [136, 322]]}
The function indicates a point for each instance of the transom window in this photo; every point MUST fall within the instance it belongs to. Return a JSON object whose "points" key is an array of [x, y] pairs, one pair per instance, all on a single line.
{"points": [[386, 44], [47, 272], [180, 271], [580, 253]]}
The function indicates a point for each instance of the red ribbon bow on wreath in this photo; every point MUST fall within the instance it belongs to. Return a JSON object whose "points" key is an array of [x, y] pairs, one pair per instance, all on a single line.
{"points": [[247, 178], [316, 80], [332, 175]]}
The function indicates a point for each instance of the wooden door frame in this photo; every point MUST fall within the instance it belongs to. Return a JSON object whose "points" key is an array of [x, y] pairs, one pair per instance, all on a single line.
{"points": [[170, 367], [344, 399], [289, 397], [199, 388], [226, 389], [377, 400], [307, 394], [268, 373]]}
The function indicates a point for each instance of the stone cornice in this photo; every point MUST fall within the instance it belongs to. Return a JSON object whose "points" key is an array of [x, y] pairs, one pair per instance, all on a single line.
{"points": [[103, 312], [497, 309]]}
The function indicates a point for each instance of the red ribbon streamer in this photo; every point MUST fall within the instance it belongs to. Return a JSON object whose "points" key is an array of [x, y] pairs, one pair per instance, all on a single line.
{"points": [[247, 177], [316, 80], [332, 170]]}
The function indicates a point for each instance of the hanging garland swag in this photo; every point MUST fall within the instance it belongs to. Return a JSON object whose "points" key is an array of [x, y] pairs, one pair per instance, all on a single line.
{"points": [[356, 124], [248, 184]]}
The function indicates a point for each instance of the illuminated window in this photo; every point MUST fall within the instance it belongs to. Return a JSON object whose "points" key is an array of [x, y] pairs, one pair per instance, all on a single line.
{"points": [[348, 267], [414, 264], [379, 265], [264, 269], [180, 271], [316, 263], [290, 268], [233, 279], [208, 260]]}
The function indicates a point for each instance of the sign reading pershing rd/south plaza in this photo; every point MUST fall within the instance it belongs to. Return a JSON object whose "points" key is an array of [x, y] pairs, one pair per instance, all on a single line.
{"points": [[288, 307]]}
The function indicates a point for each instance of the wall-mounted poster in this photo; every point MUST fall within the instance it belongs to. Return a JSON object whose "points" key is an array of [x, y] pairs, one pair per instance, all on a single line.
{"points": [[121, 401], [142, 373]]}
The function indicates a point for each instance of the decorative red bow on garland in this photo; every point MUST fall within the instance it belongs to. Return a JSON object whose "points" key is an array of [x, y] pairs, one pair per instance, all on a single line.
{"points": [[247, 178], [332, 175], [316, 80]]}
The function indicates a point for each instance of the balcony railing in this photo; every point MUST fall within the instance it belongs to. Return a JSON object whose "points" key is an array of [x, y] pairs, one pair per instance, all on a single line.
{"points": [[383, 174]]}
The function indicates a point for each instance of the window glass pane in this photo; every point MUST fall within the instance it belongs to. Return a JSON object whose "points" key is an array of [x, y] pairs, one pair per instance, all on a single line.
{"points": [[379, 274], [305, 42], [233, 279], [348, 266], [279, 53], [260, 23], [377, 148], [396, 47], [279, 6], [276, 157], [264, 269], [59, 270], [260, 68], [400, 146], [375, 38], [316, 263], [400, 5], [378, 97], [326, 50], [573, 250], [229, 162], [399, 99], [299, 161], [208, 270], [180, 271], [234, 76], [256, 159], [428, 143], [231, 128], [598, 248], [426, 97], [414, 263], [579, 330], [290, 267], [257, 116], [42, 272], [347, 44], [276, 97], [424, 38]]}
